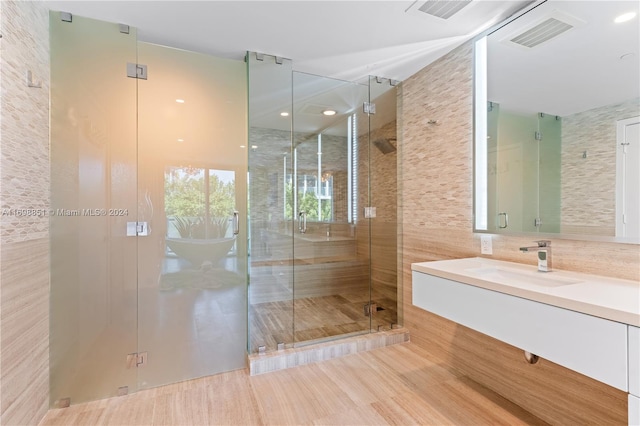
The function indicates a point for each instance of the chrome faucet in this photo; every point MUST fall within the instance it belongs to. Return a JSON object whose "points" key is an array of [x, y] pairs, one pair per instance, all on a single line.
{"points": [[544, 254]]}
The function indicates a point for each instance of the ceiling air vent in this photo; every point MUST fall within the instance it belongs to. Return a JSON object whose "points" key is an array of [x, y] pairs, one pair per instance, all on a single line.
{"points": [[541, 33], [444, 9]]}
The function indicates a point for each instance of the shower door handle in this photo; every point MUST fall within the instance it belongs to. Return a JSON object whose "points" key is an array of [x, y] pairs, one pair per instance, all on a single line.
{"points": [[505, 222], [302, 222], [236, 222]]}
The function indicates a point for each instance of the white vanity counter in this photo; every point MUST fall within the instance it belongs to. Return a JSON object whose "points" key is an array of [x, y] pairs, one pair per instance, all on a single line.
{"points": [[604, 297], [587, 323]]}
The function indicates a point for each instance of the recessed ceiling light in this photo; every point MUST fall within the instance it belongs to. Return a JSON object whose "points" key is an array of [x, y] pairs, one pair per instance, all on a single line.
{"points": [[329, 112], [242, 146], [284, 114], [180, 101], [625, 17], [254, 146], [180, 140]]}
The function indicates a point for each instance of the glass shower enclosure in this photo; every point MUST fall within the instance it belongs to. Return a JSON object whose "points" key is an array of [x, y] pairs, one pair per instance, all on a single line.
{"points": [[315, 230], [205, 208]]}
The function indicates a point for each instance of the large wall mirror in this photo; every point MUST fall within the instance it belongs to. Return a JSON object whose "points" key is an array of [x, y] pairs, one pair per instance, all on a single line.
{"points": [[557, 122]]}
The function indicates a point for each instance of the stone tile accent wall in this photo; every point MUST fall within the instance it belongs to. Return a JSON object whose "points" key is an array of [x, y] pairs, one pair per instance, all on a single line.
{"points": [[589, 184], [436, 194], [24, 163], [24, 180]]}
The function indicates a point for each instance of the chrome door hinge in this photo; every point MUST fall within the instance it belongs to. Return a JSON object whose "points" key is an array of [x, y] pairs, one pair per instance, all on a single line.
{"points": [[369, 212], [370, 309], [136, 360], [537, 222], [137, 229], [369, 108], [136, 71], [538, 136]]}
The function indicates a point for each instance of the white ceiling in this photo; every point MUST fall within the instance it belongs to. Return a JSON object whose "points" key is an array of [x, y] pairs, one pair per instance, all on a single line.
{"points": [[340, 39], [350, 40], [581, 69]]}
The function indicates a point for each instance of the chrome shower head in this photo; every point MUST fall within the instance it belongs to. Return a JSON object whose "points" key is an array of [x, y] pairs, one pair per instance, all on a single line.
{"points": [[384, 145]]}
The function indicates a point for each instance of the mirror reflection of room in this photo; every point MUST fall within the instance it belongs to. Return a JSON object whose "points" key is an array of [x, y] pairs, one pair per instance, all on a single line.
{"points": [[562, 120]]}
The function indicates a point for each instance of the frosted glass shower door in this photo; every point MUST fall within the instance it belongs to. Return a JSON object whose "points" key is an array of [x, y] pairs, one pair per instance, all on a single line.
{"points": [[93, 316], [192, 186], [148, 222]]}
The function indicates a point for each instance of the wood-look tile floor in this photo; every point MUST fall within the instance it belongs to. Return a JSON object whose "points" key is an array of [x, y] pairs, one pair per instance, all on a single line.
{"points": [[318, 317], [394, 385]]}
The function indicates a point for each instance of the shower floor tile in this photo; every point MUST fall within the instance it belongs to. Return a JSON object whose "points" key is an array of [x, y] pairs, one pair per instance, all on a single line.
{"points": [[316, 318]]}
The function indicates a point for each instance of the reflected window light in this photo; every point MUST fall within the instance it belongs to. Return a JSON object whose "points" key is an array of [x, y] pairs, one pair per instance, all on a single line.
{"points": [[352, 169]]}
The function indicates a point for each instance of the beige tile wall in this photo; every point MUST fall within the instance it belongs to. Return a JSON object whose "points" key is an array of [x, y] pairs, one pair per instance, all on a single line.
{"points": [[436, 194], [25, 117], [589, 184], [24, 179]]}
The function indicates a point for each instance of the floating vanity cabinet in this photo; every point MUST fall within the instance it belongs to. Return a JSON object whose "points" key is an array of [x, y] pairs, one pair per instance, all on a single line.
{"points": [[593, 346], [634, 375], [634, 410], [587, 323]]}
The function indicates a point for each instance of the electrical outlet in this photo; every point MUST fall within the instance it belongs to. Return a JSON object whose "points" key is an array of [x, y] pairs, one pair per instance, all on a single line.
{"points": [[485, 244]]}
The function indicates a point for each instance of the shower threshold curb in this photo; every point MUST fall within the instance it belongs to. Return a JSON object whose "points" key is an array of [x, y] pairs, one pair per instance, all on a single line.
{"points": [[293, 357]]}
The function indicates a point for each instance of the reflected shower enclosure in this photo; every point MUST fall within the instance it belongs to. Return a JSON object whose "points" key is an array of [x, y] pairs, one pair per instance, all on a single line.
{"points": [[523, 171]]}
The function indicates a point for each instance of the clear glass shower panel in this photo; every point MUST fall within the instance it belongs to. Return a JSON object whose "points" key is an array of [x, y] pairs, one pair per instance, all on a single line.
{"points": [[192, 208], [384, 197], [331, 243], [271, 198], [93, 198]]}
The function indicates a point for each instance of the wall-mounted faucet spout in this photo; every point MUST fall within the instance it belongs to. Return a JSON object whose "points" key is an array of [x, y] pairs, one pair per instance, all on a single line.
{"points": [[544, 254]]}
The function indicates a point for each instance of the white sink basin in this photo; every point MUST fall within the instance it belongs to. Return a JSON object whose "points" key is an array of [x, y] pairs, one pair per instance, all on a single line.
{"points": [[605, 297], [515, 276]]}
